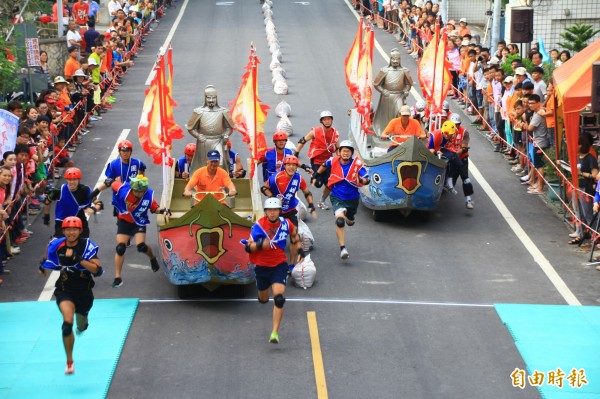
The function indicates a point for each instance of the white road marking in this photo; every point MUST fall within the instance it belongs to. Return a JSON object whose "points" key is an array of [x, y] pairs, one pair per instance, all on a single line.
{"points": [[138, 266], [377, 282], [376, 262], [537, 255], [48, 289], [304, 3], [169, 38], [225, 3], [330, 300]]}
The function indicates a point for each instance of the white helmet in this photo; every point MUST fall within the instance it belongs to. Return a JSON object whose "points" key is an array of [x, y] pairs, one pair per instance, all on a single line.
{"points": [[325, 114], [272, 203], [420, 105], [346, 144], [446, 105], [455, 118]]}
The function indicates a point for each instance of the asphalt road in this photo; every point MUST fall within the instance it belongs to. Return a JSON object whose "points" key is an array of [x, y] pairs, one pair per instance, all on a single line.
{"points": [[409, 315]]}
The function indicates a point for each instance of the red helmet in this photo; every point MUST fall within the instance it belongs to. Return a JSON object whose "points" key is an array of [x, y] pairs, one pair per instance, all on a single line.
{"points": [[279, 135], [125, 145], [190, 149], [73, 173], [291, 159], [72, 221]]}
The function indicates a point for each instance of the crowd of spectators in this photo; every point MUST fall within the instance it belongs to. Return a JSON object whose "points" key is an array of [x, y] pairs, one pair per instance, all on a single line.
{"points": [[50, 129], [510, 95]]}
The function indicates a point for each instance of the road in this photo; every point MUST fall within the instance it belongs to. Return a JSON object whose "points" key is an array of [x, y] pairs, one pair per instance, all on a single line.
{"points": [[409, 315]]}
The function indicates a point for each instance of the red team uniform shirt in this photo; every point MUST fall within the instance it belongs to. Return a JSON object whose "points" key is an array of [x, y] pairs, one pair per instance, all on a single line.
{"points": [[271, 257]]}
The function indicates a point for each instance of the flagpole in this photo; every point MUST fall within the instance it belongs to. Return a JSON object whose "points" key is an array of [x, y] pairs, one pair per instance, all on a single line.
{"points": [[254, 89], [161, 101]]}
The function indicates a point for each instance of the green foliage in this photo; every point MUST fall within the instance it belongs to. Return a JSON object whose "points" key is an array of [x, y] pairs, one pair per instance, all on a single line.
{"points": [[8, 69], [577, 36], [506, 65]]}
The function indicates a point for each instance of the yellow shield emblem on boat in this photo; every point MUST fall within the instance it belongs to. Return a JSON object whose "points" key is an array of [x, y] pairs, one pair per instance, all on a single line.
{"points": [[210, 243], [409, 176]]}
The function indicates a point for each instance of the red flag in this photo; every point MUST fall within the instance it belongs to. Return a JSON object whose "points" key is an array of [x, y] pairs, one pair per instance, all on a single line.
{"points": [[248, 113], [351, 62], [365, 80], [434, 70]]}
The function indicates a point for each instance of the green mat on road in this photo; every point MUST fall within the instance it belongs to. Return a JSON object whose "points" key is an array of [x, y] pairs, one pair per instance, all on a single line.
{"points": [[32, 356], [552, 337]]}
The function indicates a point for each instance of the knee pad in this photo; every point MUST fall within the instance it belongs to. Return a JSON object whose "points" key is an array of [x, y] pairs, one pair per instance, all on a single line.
{"points": [[67, 329], [279, 301], [142, 247], [121, 247], [339, 222], [259, 300]]}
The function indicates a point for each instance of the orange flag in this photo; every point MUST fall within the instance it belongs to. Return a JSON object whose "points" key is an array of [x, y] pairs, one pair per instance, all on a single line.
{"points": [[351, 62], [157, 127], [247, 111], [434, 70], [365, 80]]}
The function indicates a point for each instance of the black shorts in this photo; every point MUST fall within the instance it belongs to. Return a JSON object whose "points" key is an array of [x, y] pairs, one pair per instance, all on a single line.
{"points": [[83, 300], [351, 206], [292, 215], [130, 229], [267, 276]]}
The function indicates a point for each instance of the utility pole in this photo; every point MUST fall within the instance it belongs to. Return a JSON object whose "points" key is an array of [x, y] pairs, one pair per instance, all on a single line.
{"points": [[495, 36]]}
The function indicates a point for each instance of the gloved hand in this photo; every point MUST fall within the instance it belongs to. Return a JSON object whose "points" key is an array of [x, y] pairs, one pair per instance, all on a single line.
{"points": [[246, 245], [108, 182], [317, 180], [165, 211], [99, 272]]}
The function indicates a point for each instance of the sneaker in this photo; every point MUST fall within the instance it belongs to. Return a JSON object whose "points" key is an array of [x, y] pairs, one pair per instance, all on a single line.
{"points": [[117, 283], [70, 369], [525, 178], [83, 132], [574, 234], [470, 204], [274, 339], [323, 205], [95, 118], [111, 99], [27, 232], [15, 250], [344, 254], [154, 264], [516, 169]]}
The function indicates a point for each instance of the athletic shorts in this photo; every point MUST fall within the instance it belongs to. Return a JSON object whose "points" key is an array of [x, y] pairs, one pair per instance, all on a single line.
{"points": [[538, 158], [269, 275], [83, 300], [518, 136], [292, 215], [130, 229], [351, 206]]}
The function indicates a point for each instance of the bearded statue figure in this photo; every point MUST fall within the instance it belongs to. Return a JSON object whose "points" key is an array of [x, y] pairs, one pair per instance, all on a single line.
{"points": [[211, 125], [394, 83]]}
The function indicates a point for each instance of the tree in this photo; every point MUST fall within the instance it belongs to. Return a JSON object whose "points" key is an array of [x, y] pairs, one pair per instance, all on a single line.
{"points": [[8, 68], [576, 37]]}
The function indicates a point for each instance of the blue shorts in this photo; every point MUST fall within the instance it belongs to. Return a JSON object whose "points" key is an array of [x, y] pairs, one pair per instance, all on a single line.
{"points": [[538, 158], [266, 276]]}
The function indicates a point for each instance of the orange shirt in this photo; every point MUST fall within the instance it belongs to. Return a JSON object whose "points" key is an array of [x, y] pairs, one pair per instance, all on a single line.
{"points": [[203, 183], [71, 66], [550, 121], [400, 133]]}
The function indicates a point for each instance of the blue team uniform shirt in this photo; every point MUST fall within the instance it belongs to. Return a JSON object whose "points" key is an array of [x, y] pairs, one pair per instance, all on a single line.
{"points": [[344, 190]]}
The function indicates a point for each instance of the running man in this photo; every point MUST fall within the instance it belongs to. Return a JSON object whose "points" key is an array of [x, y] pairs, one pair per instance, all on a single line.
{"points": [[284, 185], [182, 167], [77, 259], [133, 200], [72, 199], [347, 174], [323, 145], [266, 249]]}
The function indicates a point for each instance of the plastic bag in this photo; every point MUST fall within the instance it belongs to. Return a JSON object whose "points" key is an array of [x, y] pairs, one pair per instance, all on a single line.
{"points": [[283, 108], [301, 208], [285, 125], [306, 236], [304, 273], [280, 87]]}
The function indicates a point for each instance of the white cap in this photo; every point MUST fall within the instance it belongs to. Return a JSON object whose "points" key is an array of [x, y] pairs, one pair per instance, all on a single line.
{"points": [[494, 61], [509, 79], [521, 71], [463, 20], [92, 61]]}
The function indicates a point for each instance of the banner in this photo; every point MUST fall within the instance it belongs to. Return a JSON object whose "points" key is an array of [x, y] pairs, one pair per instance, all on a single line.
{"points": [[365, 80], [9, 123], [248, 113], [351, 63], [434, 71]]}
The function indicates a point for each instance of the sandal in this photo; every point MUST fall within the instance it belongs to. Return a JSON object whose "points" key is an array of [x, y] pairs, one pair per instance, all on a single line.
{"points": [[576, 241]]}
